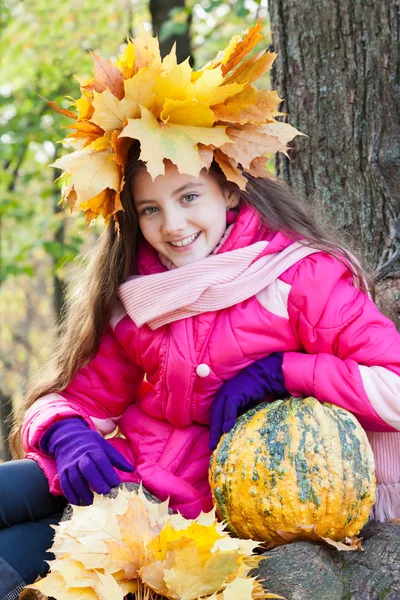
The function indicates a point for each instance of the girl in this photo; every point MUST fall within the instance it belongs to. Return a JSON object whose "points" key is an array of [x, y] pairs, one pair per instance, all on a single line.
{"points": [[207, 299]]}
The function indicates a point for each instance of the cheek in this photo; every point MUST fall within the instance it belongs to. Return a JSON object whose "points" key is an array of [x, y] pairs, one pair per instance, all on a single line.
{"points": [[148, 230]]}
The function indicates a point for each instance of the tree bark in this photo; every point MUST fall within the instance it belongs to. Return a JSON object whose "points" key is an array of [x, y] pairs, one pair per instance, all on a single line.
{"points": [[159, 10], [308, 571], [338, 69]]}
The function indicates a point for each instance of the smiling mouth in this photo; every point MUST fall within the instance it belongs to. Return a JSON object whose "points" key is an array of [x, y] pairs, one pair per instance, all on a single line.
{"points": [[186, 241]]}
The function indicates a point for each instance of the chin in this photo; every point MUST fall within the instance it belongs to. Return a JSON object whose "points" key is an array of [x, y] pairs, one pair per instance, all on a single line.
{"points": [[187, 260]]}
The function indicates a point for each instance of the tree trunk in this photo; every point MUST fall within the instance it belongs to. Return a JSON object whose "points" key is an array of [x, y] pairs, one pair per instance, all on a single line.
{"points": [[159, 10], [308, 571], [338, 69]]}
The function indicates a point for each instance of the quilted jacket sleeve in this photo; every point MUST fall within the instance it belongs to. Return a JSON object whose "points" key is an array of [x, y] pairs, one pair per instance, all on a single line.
{"points": [[99, 393], [351, 350]]}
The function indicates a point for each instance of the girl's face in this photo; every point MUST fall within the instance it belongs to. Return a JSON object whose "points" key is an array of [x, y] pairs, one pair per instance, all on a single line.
{"points": [[182, 217]]}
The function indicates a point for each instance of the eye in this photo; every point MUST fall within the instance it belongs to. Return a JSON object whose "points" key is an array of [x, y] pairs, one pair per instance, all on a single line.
{"points": [[190, 197], [150, 210]]}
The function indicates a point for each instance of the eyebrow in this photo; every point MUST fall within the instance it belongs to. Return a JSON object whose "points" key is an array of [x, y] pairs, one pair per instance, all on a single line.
{"points": [[179, 190]]}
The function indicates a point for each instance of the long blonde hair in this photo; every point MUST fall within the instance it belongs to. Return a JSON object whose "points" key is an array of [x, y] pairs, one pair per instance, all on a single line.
{"points": [[93, 290]]}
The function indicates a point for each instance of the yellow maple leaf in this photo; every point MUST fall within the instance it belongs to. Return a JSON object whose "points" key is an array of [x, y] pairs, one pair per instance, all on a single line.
{"points": [[177, 143], [147, 51], [136, 533], [126, 61], [182, 112], [109, 112], [54, 585], [177, 84], [91, 171], [139, 90], [83, 537], [211, 87], [192, 577], [101, 143], [104, 204]]}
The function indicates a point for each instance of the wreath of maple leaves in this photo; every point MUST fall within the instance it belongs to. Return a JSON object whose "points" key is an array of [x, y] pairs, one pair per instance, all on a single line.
{"points": [[189, 117]]}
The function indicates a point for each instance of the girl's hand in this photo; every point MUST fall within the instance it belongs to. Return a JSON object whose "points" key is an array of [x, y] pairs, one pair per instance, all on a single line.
{"points": [[85, 460], [250, 386]]}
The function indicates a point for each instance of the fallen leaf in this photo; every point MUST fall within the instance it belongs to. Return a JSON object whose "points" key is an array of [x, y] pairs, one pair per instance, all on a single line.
{"points": [[85, 129], [147, 51], [230, 170], [109, 112], [92, 172], [54, 585], [181, 112], [243, 47], [126, 61], [191, 576], [137, 533], [107, 76], [174, 142], [206, 154], [249, 106], [251, 141], [253, 68], [84, 106], [346, 545], [211, 88], [61, 111]]}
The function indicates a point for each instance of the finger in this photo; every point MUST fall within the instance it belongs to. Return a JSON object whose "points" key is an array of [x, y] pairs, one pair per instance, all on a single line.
{"points": [[80, 486], [230, 413], [217, 406], [68, 490], [108, 474], [215, 436], [117, 459], [93, 476], [227, 426]]}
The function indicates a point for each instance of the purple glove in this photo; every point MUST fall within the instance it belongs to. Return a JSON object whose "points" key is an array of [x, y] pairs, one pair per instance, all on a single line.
{"points": [[83, 458], [245, 390]]}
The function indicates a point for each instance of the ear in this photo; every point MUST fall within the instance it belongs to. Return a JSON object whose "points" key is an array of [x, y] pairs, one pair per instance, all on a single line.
{"points": [[232, 196]]}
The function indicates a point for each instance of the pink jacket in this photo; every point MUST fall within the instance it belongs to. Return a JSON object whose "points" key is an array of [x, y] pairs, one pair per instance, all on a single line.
{"points": [[338, 347]]}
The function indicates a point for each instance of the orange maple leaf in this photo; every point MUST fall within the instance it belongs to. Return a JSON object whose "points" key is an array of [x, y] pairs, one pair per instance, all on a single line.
{"points": [[108, 76], [243, 47]]}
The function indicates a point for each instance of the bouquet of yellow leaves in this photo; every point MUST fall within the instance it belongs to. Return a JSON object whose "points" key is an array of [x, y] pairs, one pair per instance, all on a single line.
{"points": [[130, 544], [188, 117]]}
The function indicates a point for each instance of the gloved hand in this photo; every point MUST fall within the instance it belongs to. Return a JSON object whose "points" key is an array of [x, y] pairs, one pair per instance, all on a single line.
{"points": [[84, 459], [245, 390]]}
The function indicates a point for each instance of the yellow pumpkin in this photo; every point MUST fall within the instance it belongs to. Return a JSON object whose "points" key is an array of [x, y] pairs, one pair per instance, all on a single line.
{"points": [[294, 469]]}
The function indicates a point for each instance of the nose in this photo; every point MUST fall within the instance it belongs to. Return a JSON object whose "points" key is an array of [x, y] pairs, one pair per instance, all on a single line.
{"points": [[174, 221]]}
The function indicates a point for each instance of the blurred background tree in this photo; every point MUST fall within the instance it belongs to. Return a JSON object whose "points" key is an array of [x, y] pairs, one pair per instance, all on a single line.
{"points": [[337, 70]]}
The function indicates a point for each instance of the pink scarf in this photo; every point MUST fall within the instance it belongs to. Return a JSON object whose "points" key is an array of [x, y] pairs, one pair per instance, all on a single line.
{"points": [[215, 282]]}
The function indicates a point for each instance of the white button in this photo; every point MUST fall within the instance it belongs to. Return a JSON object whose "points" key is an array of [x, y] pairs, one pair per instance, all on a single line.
{"points": [[203, 370]]}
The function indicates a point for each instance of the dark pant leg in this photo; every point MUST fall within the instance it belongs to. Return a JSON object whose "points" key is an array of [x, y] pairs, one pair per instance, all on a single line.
{"points": [[27, 509], [25, 547], [24, 493]]}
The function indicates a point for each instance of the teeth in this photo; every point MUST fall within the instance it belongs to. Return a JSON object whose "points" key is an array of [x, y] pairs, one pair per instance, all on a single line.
{"points": [[186, 241]]}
